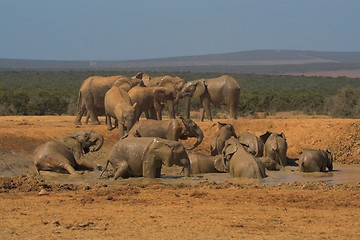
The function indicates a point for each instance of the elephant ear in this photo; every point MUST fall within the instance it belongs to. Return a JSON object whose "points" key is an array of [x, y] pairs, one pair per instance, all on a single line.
{"points": [[282, 135], [229, 149], [219, 165], [265, 136], [200, 88], [163, 94], [221, 125]]}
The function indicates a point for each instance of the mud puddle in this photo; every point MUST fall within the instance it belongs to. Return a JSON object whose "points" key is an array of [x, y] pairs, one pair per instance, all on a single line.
{"points": [[342, 174]]}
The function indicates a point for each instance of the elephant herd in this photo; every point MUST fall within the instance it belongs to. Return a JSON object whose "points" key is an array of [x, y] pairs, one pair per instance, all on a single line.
{"points": [[124, 99], [146, 145], [143, 153]]}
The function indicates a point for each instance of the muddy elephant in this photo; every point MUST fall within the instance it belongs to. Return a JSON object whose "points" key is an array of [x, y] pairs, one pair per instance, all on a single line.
{"points": [[118, 106], [252, 143], [65, 155], [143, 157], [275, 147], [92, 93], [217, 91], [270, 164], [315, 161], [238, 162], [200, 163], [150, 99], [172, 129], [224, 133], [175, 84]]}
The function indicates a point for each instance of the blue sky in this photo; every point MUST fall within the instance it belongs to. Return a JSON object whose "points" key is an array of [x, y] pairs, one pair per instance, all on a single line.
{"points": [[142, 29]]}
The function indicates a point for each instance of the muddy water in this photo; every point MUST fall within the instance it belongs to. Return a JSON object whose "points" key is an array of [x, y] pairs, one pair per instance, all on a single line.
{"points": [[342, 174]]}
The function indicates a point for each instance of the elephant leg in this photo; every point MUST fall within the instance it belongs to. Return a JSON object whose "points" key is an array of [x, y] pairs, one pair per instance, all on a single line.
{"points": [[158, 109], [81, 111], [171, 109], [158, 173], [69, 169], [108, 120], [122, 169], [233, 111], [152, 113], [87, 165], [205, 102]]}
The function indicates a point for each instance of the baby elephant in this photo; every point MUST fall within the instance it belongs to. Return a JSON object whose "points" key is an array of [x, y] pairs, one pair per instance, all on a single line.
{"points": [[200, 163], [65, 155], [143, 157], [315, 161], [238, 162], [218, 141]]}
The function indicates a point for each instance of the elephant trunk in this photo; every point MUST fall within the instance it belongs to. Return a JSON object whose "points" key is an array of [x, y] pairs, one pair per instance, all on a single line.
{"points": [[98, 142], [187, 107], [200, 137]]}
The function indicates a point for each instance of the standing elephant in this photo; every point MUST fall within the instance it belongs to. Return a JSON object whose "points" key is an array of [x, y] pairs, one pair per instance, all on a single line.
{"points": [[150, 99], [143, 157], [65, 155], [92, 93], [225, 132], [252, 143], [175, 84], [238, 162], [217, 91], [315, 161], [275, 147], [200, 163], [118, 106], [172, 129]]}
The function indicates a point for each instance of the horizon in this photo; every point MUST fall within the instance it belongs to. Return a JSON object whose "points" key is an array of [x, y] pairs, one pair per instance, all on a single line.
{"points": [[113, 30]]}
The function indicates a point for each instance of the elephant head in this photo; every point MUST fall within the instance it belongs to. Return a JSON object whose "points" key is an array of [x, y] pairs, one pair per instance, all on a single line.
{"points": [[162, 94], [164, 152], [225, 132], [192, 130], [230, 148], [90, 141], [252, 143], [192, 89], [125, 116]]}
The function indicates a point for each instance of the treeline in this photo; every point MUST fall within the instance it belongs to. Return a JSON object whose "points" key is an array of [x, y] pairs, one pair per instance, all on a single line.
{"points": [[55, 92]]}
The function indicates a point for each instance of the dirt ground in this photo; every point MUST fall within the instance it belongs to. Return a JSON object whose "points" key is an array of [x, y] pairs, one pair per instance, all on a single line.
{"points": [[285, 205]]}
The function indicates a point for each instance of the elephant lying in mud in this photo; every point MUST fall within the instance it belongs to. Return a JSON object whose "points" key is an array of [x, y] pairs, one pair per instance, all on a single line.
{"points": [[173, 129], [224, 133], [200, 163], [270, 164], [143, 157], [275, 147], [315, 161], [65, 155], [238, 162]]}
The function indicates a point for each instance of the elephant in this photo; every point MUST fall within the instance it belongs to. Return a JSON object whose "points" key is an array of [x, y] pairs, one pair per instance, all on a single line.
{"points": [[143, 157], [216, 91], [270, 164], [175, 84], [92, 93], [150, 99], [238, 162], [172, 129], [118, 106], [65, 155], [200, 163], [315, 161], [275, 147], [252, 143], [218, 141]]}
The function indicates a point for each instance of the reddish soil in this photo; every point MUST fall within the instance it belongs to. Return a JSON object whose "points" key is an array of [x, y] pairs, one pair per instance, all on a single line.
{"points": [[199, 207]]}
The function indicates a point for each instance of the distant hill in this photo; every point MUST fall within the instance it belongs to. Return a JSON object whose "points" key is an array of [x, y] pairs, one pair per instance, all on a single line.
{"points": [[257, 61]]}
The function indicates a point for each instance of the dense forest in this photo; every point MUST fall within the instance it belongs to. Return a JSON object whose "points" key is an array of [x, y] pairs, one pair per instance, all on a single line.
{"points": [[55, 92]]}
